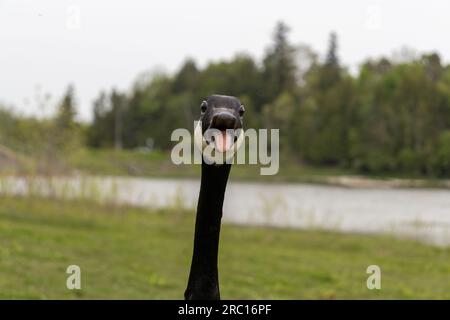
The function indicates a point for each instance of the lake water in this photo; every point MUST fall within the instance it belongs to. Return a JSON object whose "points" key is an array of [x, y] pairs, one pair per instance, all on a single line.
{"points": [[423, 214]]}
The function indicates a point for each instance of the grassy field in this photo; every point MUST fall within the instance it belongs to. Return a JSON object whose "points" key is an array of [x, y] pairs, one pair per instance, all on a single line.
{"points": [[137, 253], [158, 164]]}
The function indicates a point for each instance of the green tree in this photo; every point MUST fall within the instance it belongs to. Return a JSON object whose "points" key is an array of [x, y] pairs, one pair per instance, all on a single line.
{"points": [[65, 118], [101, 132], [280, 69]]}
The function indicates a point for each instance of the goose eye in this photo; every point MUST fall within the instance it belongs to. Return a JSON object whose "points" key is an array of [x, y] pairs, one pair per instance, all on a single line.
{"points": [[203, 107], [241, 111]]}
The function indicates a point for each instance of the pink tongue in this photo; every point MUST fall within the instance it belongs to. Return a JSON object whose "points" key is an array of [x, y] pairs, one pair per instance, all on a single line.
{"points": [[223, 141]]}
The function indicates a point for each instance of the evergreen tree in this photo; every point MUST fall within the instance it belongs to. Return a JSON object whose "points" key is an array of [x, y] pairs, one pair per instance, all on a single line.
{"points": [[280, 69], [66, 112]]}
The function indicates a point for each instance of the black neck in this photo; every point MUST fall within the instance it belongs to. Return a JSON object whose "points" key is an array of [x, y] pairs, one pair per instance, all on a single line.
{"points": [[203, 279]]}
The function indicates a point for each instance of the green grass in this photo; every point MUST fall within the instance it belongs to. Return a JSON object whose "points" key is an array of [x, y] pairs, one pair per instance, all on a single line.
{"points": [[158, 164], [137, 253]]}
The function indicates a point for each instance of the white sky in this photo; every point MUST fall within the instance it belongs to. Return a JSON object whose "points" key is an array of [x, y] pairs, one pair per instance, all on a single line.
{"points": [[45, 44]]}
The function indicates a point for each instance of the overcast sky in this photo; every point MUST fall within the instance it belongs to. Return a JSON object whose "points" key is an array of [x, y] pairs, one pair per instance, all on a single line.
{"points": [[98, 44]]}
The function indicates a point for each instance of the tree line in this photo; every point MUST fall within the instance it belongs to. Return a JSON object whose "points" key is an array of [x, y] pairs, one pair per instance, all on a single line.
{"points": [[393, 115]]}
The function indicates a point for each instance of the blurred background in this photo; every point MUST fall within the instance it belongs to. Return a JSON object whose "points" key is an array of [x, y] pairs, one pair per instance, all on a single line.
{"points": [[91, 92]]}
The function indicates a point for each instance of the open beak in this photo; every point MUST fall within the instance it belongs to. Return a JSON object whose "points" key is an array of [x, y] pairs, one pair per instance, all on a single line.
{"points": [[226, 142], [224, 123], [223, 140]]}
